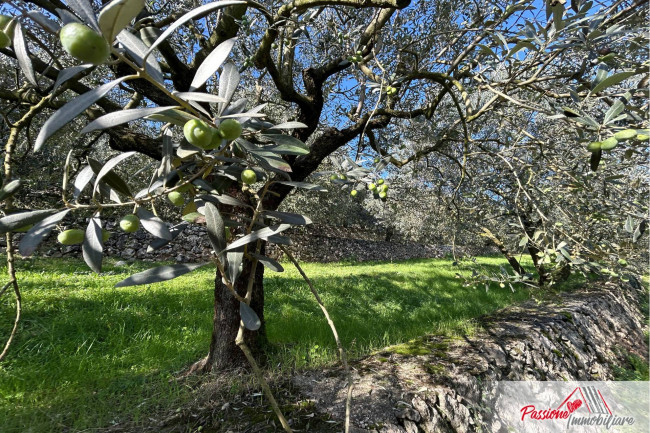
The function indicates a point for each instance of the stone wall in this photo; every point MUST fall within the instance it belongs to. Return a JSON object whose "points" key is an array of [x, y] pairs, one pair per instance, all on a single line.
{"points": [[581, 336], [311, 244]]}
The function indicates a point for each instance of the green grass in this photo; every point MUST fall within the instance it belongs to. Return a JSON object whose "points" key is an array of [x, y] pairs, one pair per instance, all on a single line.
{"points": [[90, 355], [374, 305]]}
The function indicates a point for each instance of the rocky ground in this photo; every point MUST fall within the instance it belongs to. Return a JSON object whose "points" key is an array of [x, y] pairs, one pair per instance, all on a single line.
{"points": [[311, 244]]}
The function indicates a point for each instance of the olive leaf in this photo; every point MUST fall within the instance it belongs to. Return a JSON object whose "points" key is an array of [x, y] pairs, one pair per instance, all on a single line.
{"points": [[249, 317], [228, 81], [303, 185], [234, 260], [200, 11], [199, 96], [612, 80], [268, 262], [44, 21], [71, 110], [211, 63], [111, 178], [85, 11], [82, 179], [36, 234], [264, 233], [287, 217], [22, 55], [108, 167], [216, 228], [161, 273], [10, 189], [68, 73], [116, 15], [286, 144], [21, 219], [160, 242], [153, 224], [92, 247], [137, 50], [119, 117], [289, 125]]}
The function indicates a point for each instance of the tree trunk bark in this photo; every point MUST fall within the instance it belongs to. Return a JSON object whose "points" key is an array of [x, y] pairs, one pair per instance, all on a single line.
{"points": [[224, 353], [514, 263]]}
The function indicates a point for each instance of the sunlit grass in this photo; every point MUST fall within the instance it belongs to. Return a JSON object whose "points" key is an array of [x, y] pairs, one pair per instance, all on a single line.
{"points": [[88, 354], [374, 305]]}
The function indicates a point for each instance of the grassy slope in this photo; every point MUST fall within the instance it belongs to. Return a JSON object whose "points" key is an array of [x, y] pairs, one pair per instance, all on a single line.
{"points": [[88, 354]]}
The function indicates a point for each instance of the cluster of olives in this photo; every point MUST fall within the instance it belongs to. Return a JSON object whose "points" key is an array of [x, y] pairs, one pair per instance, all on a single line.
{"points": [[380, 189], [129, 224], [611, 142], [390, 90], [198, 133], [6, 30], [356, 58]]}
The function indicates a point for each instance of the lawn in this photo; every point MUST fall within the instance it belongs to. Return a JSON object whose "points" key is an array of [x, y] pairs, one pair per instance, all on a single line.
{"points": [[89, 355]]}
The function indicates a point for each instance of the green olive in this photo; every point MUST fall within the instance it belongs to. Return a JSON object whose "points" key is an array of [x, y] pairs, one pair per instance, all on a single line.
{"points": [[198, 133], [609, 143], [71, 237], [84, 43], [130, 223], [230, 129], [248, 176], [176, 198], [594, 146]]}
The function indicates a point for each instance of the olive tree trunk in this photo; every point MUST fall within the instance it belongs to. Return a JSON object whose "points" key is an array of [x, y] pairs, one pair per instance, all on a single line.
{"points": [[224, 353]]}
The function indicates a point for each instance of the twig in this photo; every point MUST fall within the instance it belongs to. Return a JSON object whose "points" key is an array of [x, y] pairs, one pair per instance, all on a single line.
{"points": [[12, 274], [239, 341], [4, 288], [9, 150], [344, 360]]}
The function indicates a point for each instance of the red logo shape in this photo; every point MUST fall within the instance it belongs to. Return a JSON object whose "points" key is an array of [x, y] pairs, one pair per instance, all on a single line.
{"points": [[573, 405]]}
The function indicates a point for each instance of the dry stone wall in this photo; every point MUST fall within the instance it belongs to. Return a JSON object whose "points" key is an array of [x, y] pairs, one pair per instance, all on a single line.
{"points": [[580, 336], [312, 244]]}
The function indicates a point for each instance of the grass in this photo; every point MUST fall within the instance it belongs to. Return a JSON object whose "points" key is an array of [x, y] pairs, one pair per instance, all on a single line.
{"points": [[90, 355], [374, 305]]}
